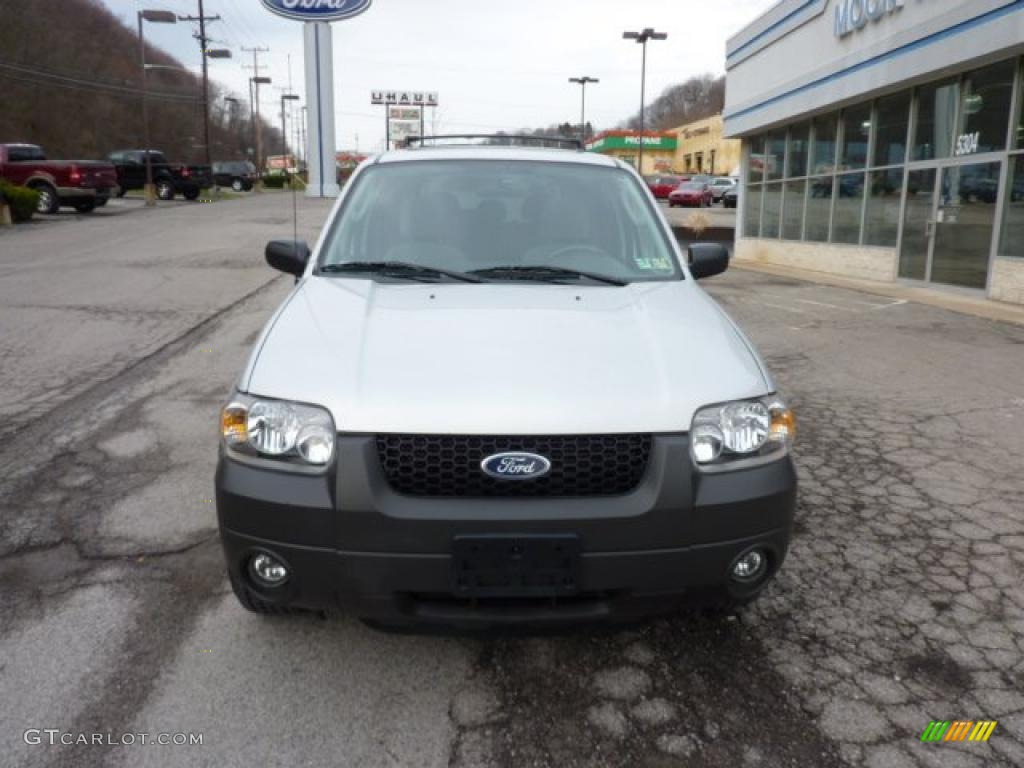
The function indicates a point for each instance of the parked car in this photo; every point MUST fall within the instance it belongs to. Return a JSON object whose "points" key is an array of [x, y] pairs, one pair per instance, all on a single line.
{"points": [[691, 193], [240, 175], [471, 418], [662, 185], [170, 179], [731, 196], [79, 184], [719, 186]]}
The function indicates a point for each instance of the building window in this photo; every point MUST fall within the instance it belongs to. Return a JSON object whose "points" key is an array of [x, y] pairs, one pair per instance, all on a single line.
{"points": [[882, 217], [774, 155], [893, 120], [936, 116], [856, 134], [986, 109], [796, 153], [823, 145], [756, 170], [772, 210], [1011, 240], [700, 162], [689, 163], [712, 158], [752, 211], [848, 208], [793, 210], [819, 209]]}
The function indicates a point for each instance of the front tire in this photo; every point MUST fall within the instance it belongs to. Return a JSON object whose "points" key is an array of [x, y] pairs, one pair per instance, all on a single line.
{"points": [[237, 185], [48, 202], [254, 603]]}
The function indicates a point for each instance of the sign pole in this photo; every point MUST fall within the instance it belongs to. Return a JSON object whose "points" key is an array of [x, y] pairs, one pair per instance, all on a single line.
{"points": [[320, 115]]}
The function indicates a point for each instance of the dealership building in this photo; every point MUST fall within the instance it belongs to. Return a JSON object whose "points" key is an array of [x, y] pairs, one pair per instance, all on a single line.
{"points": [[883, 140]]}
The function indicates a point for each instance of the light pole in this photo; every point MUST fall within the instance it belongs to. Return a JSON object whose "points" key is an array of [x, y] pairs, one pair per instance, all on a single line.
{"points": [[583, 102], [213, 53], [642, 38], [254, 100], [154, 17], [284, 134]]}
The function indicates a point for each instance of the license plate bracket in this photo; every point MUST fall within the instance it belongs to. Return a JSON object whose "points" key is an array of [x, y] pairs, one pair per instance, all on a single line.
{"points": [[516, 565]]}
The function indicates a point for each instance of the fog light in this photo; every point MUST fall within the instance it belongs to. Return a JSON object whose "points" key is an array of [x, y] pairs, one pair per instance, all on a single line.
{"points": [[267, 571], [750, 566]]}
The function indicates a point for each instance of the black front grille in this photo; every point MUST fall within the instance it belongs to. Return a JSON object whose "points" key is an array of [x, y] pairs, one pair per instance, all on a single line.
{"points": [[449, 465]]}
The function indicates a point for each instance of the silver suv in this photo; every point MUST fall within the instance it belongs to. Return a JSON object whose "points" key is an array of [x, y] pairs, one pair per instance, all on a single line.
{"points": [[497, 394]]}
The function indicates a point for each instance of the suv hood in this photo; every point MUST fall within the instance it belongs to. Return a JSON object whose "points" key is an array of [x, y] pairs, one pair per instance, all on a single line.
{"points": [[510, 358]]}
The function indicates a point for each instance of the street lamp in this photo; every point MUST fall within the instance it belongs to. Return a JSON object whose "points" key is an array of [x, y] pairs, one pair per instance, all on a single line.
{"points": [[583, 102], [153, 17], [254, 116], [642, 38], [284, 136]]}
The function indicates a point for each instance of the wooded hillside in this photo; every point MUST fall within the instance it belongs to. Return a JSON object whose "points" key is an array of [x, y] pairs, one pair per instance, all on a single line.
{"points": [[70, 81]]}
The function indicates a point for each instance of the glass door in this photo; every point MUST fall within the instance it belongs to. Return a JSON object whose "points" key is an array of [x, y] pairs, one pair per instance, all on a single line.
{"points": [[918, 224], [947, 223], [964, 219]]}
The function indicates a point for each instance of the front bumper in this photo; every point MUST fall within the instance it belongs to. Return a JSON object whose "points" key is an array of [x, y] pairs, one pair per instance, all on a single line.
{"points": [[351, 543]]}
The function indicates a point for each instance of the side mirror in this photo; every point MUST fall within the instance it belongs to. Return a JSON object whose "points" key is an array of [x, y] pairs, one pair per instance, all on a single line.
{"points": [[707, 259], [289, 256]]}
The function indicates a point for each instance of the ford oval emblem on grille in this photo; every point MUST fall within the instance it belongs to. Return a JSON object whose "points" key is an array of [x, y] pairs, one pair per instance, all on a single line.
{"points": [[515, 465]]}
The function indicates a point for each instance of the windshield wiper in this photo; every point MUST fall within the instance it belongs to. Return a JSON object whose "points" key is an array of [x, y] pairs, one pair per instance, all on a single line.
{"points": [[541, 272], [399, 269]]}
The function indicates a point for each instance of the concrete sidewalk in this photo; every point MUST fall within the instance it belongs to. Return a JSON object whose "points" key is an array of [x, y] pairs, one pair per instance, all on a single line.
{"points": [[949, 299]]}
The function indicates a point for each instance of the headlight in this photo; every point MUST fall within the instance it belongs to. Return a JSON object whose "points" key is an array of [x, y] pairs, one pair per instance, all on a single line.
{"points": [[736, 434], [291, 433]]}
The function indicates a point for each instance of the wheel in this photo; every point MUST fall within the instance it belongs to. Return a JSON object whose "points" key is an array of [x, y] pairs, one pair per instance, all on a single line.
{"points": [[254, 603], [237, 185], [191, 194], [85, 206], [165, 189], [48, 200]]}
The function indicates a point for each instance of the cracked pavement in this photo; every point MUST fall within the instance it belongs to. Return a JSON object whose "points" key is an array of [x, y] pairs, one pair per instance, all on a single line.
{"points": [[901, 600]]}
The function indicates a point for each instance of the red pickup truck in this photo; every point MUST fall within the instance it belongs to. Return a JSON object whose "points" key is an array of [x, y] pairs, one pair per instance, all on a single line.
{"points": [[81, 184]]}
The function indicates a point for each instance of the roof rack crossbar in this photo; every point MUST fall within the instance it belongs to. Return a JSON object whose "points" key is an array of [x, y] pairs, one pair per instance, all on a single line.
{"points": [[495, 139]]}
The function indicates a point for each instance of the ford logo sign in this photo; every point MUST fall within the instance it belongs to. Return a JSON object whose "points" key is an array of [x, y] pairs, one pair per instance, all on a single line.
{"points": [[515, 466], [317, 10]]}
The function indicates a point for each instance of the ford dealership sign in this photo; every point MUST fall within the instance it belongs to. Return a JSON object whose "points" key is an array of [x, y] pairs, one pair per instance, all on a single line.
{"points": [[317, 10]]}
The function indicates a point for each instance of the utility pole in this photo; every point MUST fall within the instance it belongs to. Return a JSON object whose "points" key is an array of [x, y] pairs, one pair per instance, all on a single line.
{"points": [[204, 48], [254, 84]]}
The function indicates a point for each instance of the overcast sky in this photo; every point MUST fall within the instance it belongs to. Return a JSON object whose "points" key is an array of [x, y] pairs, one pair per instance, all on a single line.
{"points": [[496, 65]]}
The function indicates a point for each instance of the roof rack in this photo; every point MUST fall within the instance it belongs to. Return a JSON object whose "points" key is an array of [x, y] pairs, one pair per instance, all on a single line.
{"points": [[493, 140]]}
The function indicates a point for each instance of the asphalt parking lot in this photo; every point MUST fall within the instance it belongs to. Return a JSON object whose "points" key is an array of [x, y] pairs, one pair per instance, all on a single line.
{"points": [[901, 602]]}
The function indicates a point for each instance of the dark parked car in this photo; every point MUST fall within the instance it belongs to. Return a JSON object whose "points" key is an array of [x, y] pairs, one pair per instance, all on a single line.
{"points": [[661, 186], [731, 196], [80, 184], [170, 178], [240, 175], [691, 193]]}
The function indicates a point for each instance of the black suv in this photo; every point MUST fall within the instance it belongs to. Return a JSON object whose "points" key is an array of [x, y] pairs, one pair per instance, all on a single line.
{"points": [[240, 175]]}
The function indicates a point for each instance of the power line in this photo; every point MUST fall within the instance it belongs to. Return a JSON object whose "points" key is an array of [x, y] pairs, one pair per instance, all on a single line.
{"points": [[40, 75]]}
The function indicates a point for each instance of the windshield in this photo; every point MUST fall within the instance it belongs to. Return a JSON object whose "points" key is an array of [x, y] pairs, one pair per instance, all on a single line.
{"points": [[472, 215], [691, 187]]}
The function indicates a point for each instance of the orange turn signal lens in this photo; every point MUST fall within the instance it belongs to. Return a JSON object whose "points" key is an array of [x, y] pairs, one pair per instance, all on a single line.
{"points": [[233, 424], [783, 427]]}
